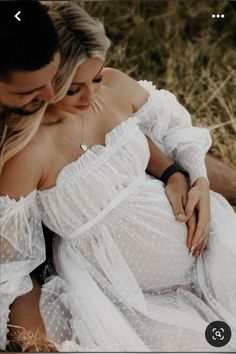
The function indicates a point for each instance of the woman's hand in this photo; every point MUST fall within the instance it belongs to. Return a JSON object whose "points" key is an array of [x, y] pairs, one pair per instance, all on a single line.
{"points": [[198, 200]]}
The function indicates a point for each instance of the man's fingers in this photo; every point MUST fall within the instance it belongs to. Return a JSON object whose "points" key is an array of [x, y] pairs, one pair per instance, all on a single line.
{"points": [[178, 208]]}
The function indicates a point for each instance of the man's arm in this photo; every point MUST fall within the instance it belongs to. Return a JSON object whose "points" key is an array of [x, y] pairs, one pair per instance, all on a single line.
{"points": [[177, 185], [158, 162]]}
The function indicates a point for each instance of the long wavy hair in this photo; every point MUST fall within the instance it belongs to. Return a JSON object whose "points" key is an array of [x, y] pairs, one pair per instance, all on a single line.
{"points": [[80, 37]]}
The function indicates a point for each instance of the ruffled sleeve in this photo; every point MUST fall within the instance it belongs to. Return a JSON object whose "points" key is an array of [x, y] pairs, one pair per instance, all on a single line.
{"points": [[168, 124], [22, 250]]}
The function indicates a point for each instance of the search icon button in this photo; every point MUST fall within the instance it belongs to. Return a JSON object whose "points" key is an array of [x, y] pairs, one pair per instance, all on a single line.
{"points": [[218, 333]]}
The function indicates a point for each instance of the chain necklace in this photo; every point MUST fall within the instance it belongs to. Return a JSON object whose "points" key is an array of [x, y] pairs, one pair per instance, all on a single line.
{"points": [[82, 145]]}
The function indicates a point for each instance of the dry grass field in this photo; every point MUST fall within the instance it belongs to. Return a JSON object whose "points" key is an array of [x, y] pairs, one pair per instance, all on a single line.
{"points": [[180, 47]]}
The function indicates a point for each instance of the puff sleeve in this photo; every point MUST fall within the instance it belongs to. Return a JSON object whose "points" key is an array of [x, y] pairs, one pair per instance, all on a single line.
{"points": [[168, 124], [22, 249]]}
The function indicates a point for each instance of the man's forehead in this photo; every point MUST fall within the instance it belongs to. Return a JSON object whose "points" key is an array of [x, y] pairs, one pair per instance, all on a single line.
{"points": [[25, 81], [23, 84]]}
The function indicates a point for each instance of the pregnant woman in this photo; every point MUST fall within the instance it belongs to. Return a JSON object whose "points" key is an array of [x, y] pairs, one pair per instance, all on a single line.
{"points": [[127, 276]]}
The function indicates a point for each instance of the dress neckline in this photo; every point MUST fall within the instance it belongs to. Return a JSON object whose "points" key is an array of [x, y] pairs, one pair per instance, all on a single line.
{"points": [[95, 151], [150, 88]]}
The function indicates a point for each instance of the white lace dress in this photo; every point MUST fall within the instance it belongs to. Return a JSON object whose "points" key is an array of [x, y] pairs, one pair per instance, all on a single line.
{"points": [[126, 280]]}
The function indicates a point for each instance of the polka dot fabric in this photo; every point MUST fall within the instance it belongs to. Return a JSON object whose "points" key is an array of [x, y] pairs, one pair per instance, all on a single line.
{"points": [[22, 250], [130, 282], [126, 280]]}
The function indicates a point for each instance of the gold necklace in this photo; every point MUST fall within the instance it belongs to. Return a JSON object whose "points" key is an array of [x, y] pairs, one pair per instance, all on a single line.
{"points": [[82, 145]]}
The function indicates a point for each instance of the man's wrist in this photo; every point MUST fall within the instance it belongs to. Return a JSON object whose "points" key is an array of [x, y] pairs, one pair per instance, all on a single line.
{"points": [[170, 171], [177, 176]]}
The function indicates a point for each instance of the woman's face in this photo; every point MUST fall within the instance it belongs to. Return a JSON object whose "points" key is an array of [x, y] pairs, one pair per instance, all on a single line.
{"points": [[86, 82]]}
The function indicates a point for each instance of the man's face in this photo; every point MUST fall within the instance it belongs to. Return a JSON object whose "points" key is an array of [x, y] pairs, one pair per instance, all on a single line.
{"points": [[26, 91]]}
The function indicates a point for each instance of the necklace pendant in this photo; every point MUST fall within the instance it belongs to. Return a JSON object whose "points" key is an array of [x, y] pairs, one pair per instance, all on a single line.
{"points": [[84, 147]]}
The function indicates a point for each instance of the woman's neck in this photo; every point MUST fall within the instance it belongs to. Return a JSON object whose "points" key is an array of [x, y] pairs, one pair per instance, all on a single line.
{"points": [[56, 115]]}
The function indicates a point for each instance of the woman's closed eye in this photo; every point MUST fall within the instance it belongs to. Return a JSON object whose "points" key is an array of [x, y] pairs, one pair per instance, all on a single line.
{"points": [[74, 92]]}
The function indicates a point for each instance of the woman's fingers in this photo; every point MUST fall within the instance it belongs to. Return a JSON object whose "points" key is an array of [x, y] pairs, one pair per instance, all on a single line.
{"points": [[191, 223], [204, 244], [198, 198], [200, 244], [202, 229], [191, 204]]}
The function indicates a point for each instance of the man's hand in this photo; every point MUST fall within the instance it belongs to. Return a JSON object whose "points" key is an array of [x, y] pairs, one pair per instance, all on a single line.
{"points": [[177, 192], [199, 200]]}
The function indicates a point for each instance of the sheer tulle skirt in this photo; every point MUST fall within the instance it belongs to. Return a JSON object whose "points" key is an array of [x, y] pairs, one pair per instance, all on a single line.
{"points": [[130, 284]]}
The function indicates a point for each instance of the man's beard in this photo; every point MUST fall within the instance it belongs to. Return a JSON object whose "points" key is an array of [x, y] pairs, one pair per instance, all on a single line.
{"points": [[21, 111]]}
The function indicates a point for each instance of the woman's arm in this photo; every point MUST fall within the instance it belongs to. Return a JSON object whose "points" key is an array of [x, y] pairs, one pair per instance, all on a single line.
{"points": [[131, 93], [21, 238], [168, 124]]}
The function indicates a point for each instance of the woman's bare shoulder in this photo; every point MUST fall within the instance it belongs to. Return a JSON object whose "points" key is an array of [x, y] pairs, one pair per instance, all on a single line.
{"points": [[116, 78], [126, 87], [23, 172]]}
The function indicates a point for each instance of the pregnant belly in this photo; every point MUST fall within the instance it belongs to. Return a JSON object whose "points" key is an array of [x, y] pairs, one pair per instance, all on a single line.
{"points": [[149, 239], [152, 242]]}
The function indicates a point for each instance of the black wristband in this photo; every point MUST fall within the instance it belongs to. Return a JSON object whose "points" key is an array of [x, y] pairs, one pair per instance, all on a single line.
{"points": [[169, 171]]}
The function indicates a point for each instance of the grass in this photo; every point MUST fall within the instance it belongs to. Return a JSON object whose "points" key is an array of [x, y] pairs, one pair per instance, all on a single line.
{"points": [[180, 47]]}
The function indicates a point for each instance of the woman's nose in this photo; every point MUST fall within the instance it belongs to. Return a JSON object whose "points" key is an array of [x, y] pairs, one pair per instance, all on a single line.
{"points": [[87, 95]]}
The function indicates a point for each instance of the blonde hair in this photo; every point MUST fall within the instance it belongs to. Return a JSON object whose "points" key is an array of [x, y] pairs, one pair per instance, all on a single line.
{"points": [[80, 37]]}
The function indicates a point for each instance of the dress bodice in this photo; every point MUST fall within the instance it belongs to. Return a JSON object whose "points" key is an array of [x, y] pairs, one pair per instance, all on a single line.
{"points": [[103, 174], [87, 186]]}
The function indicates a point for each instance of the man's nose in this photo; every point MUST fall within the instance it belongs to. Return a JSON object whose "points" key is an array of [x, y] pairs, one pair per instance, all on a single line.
{"points": [[46, 94]]}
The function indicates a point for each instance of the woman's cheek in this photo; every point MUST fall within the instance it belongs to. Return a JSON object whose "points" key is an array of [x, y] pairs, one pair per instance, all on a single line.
{"points": [[67, 100], [98, 87]]}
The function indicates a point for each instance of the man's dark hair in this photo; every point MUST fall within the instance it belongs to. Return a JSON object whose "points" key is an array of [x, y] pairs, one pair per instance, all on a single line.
{"points": [[29, 44]]}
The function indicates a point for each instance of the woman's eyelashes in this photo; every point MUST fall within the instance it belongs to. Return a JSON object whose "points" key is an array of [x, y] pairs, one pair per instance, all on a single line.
{"points": [[98, 79], [74, 92]]}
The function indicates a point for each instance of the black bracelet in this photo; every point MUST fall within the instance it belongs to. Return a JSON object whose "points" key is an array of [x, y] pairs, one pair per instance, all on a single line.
{"points": [[169, 171]]}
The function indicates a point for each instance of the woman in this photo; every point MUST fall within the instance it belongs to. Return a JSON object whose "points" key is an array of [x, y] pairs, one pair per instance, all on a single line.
{"points": [[127, 280]]}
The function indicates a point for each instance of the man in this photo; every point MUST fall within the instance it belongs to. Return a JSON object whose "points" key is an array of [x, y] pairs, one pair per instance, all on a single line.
{"points": [[29, 57]]}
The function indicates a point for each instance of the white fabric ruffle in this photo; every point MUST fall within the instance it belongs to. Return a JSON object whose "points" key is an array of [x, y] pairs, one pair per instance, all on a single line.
{"points": [[169, 126]]}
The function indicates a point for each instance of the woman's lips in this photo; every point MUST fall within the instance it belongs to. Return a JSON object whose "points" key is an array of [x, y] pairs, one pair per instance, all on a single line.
{"points": [[85, 106]]}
